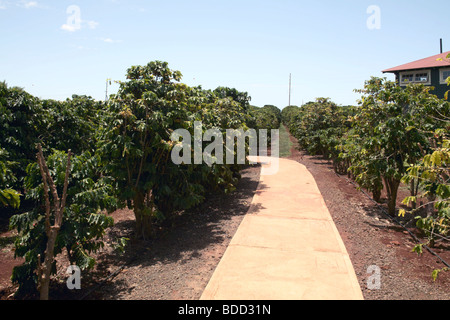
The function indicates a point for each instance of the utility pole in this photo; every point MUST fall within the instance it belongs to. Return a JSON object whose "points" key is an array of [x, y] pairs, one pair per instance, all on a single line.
{"points": [[290, 88], [108, 82]]}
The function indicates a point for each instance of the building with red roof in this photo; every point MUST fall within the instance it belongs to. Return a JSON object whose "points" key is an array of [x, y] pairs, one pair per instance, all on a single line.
{"points": [[432, 71]]}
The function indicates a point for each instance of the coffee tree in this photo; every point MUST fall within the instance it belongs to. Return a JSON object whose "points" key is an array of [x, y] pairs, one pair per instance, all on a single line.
{"points": [[391, 132], [68, 214], [22, 120], [72, 124], [8, 196], [319, 127], [432, 173], [136, 143], [267, 117]]}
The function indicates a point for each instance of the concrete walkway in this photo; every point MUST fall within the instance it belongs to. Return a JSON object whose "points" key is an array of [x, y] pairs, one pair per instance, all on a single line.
{"points": [[287, 247]]}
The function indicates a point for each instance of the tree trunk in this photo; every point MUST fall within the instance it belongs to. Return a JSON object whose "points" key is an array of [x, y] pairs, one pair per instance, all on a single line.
{"points": [[413, 191], [144, 225], [44, 270], [377, 188], [429, 208], [392, 191], [376, 193]]}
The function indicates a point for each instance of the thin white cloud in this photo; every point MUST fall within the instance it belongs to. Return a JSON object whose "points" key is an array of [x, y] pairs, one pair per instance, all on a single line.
{"points": [[27, 4], [22, 4], [30, 4], [72, 27], [109, 40], [92, 24]]}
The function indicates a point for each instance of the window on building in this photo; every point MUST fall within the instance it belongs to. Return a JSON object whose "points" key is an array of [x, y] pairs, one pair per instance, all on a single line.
{"points": [[407, 78], [423, 76], [445, 73]]}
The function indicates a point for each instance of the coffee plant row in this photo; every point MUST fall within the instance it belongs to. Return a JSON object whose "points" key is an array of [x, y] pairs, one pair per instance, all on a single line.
{"points": [[65, 165], [393, 136]]}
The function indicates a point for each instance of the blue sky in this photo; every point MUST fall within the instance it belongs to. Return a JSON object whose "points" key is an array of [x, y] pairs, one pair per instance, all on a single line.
{"points": [[250, 45]]}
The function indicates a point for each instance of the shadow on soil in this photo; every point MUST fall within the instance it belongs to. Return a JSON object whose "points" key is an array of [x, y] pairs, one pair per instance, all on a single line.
{"points": [[188, 234]]}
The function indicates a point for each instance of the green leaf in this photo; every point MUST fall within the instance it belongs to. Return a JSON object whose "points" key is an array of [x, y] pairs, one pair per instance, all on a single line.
{"points": [[83, 260], [10, 198], [409, 200], [436, 158], [418, 249], [435, 274]]}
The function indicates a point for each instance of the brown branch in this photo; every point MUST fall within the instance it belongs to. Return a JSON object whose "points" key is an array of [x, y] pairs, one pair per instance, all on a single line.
{"points": [[143, 159], [49, 178], [66, 185], [47, 199], [429, 203]]}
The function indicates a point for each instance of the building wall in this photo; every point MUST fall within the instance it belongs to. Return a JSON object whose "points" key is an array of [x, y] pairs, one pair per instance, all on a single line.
{"points": [[440, 89]]}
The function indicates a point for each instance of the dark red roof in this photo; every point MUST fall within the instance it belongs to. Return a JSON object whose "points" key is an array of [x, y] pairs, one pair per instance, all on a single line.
{"points": [[431, 62]]}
